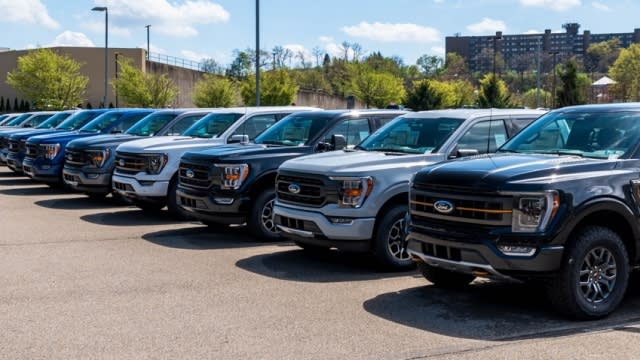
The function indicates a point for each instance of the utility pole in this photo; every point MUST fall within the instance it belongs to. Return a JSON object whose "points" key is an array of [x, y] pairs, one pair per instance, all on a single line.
{"points": [[553, 87], [148, 26], [538, 74], [257, 52]]}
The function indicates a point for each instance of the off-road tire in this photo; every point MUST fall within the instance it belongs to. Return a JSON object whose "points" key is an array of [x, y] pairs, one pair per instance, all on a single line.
{"points": [[260, 221], [389, 243]]}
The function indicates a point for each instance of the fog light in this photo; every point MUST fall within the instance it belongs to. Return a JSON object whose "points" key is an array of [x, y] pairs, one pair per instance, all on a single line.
{"points": [[339, 220], [517, 250], [223, 201]]}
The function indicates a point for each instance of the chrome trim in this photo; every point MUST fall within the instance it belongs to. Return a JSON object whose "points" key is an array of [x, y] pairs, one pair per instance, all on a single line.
{"points": [[302, 233], [459, 266]]}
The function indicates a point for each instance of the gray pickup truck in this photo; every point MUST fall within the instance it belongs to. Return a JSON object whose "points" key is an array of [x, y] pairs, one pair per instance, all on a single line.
{"points": [[357, 199]]}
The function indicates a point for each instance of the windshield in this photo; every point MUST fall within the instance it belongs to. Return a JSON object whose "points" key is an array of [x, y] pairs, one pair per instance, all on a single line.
{"points": [[101, 122], [293, 130], [602, 135], [54, 120], [411, 135], [78, 120], [151, 124], [212, 125], [18, 119]]}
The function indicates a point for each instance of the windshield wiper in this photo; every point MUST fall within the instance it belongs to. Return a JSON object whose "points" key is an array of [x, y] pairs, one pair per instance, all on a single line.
{"points": [[562, 152]]}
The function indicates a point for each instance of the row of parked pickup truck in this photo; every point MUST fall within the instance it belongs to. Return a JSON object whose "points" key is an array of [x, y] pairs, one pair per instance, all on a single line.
{"points": [[558, 204]]}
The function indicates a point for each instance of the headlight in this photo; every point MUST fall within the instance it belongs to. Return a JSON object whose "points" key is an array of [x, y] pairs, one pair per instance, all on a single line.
{"points": [[97, 158], [155, 163], [353, 190], [233, 175], [50, 151], [532, 212]]}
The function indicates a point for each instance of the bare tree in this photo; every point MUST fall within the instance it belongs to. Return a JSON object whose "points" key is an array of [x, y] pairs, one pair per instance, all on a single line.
{"points": [[345, 46], [303, 61], [357, 51], [318, 53]]}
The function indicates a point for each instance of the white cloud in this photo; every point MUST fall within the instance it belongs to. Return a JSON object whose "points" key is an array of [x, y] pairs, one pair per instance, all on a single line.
{"points": [[70, 38], [438, 50], [388, 32], [531, 32], [600, 6], [556, 5], [171, 18], [334, 49], [193, 56], [26, 11], [487, 25]]}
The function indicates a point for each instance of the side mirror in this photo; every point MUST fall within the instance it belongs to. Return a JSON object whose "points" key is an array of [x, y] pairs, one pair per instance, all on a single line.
{"points": [[242, 139], [338, 142], [458, 153]]}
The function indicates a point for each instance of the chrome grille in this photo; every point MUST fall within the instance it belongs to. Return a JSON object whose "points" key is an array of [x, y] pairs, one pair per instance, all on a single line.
{"points": [[130, 163], [305, 189]]}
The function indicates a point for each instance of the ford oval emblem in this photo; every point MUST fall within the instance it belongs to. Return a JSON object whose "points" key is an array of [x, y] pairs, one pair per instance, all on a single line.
{"points": [[294, 188], [121, 162], [189, 173], [443, 206], [69, 157]]}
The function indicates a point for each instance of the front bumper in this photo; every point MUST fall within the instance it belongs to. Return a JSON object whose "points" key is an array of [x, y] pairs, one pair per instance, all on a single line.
{"points": [[145, 190], [314, 228], [482, 257], [14, 161], [87, 182], [41, 170], [203, 206]]}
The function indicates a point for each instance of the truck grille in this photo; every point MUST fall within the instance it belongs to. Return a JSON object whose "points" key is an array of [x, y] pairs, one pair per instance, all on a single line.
{"points": [[32, 150], [130, 163], [467, 206], [16, 146], [194, 175], [308, 190], [75, 158]]}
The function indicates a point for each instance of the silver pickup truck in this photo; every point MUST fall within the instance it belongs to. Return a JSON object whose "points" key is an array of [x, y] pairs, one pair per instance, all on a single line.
{"points": [[357, 199]]}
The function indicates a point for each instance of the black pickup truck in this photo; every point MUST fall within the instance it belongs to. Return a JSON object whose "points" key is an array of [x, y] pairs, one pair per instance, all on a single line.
{"points": [[235, 184], [558, 205]]}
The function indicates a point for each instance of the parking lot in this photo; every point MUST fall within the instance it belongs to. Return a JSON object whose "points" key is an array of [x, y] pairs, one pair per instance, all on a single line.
{"points": [[82, 278]]}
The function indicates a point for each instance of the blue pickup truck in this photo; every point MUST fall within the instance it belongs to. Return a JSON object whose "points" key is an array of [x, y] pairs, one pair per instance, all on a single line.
{"points": [[44, 156]]}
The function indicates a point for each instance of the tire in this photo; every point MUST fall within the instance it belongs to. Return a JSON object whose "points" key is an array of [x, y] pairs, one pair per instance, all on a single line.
{"points": [[444, 278], [389, 244], [593, 275], [260, 221], [173, 207]]}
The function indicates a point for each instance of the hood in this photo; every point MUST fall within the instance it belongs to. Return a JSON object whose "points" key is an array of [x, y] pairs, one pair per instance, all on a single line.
{"points": [[167, 144], [358, 161], [34, 132], [63, 137], [246, 152], [101, 141], [8, 132], [507, 171]]}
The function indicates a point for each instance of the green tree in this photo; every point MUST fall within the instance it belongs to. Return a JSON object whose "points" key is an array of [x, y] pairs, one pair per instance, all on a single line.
{"points": [[211, 66], [493, 93], [455, 68], [312, 79], [601, 55], [570, 93], [277, 88], [626, 71], [529, 98], [214, 91], [423, 97], [240, 68], [378, 89], [430, 65], [50, 80], [137, 88]]}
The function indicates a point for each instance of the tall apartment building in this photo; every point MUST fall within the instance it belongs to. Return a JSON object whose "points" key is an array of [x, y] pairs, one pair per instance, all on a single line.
{"points": [[521, 50]]}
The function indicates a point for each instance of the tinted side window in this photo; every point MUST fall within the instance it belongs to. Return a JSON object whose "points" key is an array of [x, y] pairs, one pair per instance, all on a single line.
{"points": [[182, 124], [255, 125], [517, 124], [353, 130], [127, 123], [484, 136]]}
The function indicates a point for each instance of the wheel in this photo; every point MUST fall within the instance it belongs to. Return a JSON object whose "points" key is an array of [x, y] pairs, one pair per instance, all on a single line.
{"points": [[389, 244], [311, 248], [444, 278], [593, 275], [260, 221], [172, 202]]}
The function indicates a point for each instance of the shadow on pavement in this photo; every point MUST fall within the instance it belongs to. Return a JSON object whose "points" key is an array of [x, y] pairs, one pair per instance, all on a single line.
{"points": [[129, 217], [494, 311], [203, 238], [17, 181], [326, 266], [80, 202], [40, 190]]}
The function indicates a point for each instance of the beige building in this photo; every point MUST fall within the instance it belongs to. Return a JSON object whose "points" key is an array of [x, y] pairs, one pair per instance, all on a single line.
{"points": [[93, 60]]}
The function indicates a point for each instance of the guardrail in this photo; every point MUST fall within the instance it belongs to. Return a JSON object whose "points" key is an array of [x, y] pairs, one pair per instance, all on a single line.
{"points": [[175, 61]]}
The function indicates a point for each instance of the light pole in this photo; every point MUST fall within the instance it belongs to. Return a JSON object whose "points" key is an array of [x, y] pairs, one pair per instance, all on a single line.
{"points": [[116, 87], [257, 52], [147, 26], [495, 40], [553, 87], [106, 47]]}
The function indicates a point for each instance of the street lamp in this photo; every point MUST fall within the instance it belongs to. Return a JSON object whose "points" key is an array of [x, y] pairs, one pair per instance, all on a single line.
{"points": [[106, 47], [116, 87], [495, 40], [553, 101], [147, 26], [257, 52]]}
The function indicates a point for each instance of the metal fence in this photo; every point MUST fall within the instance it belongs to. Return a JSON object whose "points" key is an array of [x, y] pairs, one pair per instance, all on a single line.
{"points": [[175, 61]]}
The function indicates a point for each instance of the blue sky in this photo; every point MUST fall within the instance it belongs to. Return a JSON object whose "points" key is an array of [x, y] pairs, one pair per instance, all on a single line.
{"points": [[196, 29]]}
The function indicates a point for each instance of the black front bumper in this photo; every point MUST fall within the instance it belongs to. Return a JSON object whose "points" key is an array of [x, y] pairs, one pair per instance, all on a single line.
{"points": [[203, 206]]}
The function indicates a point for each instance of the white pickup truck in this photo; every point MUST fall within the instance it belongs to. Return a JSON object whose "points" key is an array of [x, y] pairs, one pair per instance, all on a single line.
{"points": [[357, 199], [146, 169]]}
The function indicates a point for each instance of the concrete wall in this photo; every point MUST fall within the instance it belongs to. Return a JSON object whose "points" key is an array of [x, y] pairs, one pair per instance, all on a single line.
{"points": [[185, 79]]}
